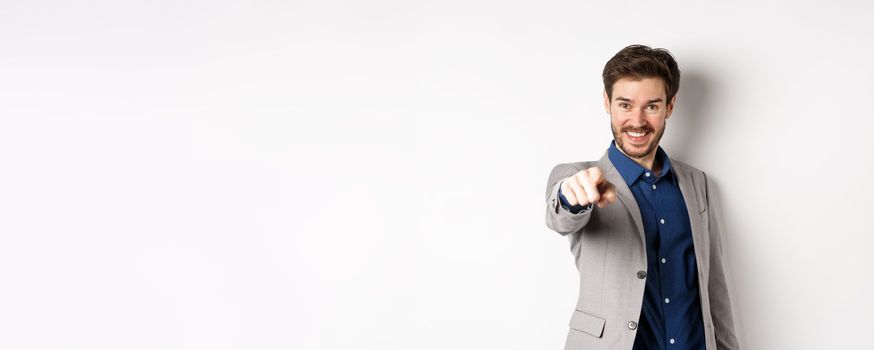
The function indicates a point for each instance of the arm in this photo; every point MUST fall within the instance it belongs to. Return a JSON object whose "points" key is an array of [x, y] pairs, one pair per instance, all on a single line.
{"points": [[559, 219], [720, 302]]}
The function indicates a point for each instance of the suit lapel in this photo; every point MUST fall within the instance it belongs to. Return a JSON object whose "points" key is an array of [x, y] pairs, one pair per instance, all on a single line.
{"points": [[623, 192], [693, 206]]}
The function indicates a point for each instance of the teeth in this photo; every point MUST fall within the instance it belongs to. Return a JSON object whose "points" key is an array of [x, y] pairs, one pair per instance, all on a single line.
{"points": [[636, 134]]}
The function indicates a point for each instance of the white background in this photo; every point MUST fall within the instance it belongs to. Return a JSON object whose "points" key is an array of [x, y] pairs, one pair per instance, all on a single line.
{"points": [[371, 175]]}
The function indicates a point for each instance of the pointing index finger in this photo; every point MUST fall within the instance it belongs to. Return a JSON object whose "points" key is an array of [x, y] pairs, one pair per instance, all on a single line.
{"points": [[596, 175]]}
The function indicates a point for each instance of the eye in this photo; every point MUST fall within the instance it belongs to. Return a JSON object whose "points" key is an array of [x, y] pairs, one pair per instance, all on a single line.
{"points": [[624, 105], [653, 107]]}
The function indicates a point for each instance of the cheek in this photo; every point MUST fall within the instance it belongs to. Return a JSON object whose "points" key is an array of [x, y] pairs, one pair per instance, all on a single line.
{"points": [[616, 122], [658, 122]]}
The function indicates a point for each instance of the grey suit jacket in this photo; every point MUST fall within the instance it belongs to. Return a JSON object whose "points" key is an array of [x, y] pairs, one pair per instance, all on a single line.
{"points": [[609, 252]]}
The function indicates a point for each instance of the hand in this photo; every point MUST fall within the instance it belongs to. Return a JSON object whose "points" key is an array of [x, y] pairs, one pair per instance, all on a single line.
{"points": [[588, 186]]}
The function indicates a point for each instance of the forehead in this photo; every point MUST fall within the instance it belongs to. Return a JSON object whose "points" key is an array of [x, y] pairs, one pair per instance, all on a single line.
{"points": [[640, 90]]}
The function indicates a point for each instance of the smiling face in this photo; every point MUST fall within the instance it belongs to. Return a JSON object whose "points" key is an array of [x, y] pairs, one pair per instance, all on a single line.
{"points": [[638, 112]]}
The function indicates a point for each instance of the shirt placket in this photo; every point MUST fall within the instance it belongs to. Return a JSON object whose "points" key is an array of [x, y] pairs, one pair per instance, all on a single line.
{"points": [[665, 278]]}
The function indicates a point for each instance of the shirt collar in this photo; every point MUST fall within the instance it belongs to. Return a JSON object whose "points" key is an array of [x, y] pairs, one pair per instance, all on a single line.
{"points": [[630, 170]]}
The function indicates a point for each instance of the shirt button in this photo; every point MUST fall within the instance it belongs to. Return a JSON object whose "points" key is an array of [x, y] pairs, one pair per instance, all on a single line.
{"points": [[641, 274], [633, 325], [671, 341], [664, 260], [647, 174], [662, 221], [653, 186], [667, 301]]}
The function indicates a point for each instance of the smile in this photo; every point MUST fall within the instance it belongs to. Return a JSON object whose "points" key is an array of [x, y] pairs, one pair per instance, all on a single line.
{"points": [[636, 136]]}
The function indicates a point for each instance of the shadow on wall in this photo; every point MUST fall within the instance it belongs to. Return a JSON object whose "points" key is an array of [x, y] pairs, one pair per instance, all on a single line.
{"points": [[687, 123]]}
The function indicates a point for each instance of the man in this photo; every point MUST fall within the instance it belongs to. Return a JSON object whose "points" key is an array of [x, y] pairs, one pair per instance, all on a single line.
{"points": [[651, 265]]}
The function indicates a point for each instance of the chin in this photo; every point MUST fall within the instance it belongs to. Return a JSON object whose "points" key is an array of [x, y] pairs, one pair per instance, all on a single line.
{"points": [[635, 151]]}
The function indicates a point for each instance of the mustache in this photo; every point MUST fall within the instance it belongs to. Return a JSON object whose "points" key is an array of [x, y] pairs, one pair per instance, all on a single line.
{"points": [[643, 129]]}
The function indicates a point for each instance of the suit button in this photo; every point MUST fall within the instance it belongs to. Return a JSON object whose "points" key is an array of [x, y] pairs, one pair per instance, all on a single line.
{"points": [[632, 325], [641, 274]]}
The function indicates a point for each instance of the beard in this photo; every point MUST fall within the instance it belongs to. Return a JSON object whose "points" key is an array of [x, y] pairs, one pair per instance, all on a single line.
{"points": [[618, 135]]}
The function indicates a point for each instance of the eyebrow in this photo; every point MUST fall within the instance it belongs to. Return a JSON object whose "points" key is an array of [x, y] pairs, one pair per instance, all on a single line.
{"points": [[620, 98]]}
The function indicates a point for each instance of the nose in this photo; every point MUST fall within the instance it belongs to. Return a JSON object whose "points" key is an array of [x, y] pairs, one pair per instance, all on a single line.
{"points": [[637, 118]]}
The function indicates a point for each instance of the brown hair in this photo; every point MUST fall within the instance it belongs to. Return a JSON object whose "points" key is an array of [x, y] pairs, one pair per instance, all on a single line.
{"points": [[640, 61]]}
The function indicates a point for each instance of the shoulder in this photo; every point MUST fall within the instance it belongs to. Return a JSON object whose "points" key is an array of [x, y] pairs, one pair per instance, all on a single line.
{"points": [[685, 168], [698, 176]]}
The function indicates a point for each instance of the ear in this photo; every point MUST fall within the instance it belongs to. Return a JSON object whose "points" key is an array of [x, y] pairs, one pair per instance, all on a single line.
{"points": [[670, 106], [606, 102]]}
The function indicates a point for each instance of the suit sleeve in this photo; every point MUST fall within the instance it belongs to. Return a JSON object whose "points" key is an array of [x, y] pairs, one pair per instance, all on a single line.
{"points": [[720, 302], [559, 219]]}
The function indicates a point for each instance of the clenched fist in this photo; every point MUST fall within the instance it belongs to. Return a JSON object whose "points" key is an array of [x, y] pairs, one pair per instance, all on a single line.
{"points": [[588, 186]]}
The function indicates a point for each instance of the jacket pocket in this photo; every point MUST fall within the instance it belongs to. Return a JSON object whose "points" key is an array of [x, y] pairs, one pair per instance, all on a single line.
{"points": [[587, 323]]}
